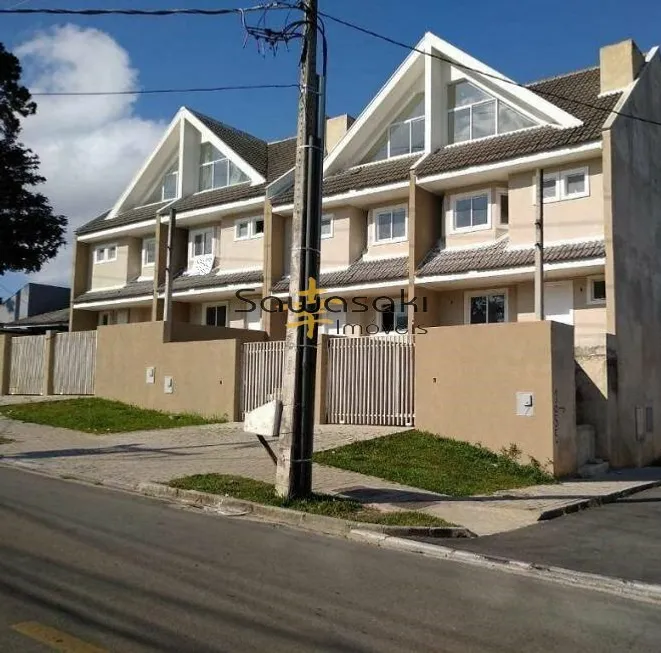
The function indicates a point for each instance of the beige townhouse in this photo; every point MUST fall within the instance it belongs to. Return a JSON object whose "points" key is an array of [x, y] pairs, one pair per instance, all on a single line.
{"points": [[429, 195]]}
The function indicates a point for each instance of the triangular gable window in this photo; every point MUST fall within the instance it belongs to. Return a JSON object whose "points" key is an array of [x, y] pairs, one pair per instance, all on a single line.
{"points": [[406, 135], [169, 184], [216, 170], [473, 113]]}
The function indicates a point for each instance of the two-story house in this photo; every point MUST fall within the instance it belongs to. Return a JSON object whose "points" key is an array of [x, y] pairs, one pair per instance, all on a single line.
{"points": [[430, 194]]}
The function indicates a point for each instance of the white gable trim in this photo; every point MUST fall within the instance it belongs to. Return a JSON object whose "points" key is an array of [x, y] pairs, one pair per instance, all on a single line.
{"points": [[175, 124], [255, 177]]}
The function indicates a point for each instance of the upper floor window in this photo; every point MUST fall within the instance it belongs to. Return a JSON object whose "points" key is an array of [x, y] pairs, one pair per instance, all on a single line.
{"points": [[390, 225], [504, 205], [471, 212], [565, 185], [148, 251], [169, 185], [596, 290], [404, 136], [327, 225], [245, 228], [473, 113], [105, 253], [201, 243], [216, 170]]}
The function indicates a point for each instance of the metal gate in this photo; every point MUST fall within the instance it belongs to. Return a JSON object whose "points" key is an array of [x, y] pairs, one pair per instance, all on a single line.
{"points": [[263, 365], [74, 363], [370, 381], [26, 375]]}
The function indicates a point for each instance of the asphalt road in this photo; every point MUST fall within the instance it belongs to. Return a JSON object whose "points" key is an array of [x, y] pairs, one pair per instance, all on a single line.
{"points": [[621, 539], [125, 573]]}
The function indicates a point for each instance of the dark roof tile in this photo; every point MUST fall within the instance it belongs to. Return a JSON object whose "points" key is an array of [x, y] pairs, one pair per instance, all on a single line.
{"points": [[138, 214], [131, 289], [500, 255], [43, 319], [216, 278]]}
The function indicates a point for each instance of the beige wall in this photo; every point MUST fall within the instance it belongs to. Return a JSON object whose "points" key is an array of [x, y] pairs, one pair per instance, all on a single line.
{"points": [[467, 238], [113, 273], [237, 319], [206, 374], [563, 220], [348, 240], [234, 254], [467, 379]]}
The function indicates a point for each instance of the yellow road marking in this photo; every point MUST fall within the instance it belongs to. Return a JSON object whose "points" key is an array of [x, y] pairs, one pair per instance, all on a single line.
{"points": [[56, 639]]}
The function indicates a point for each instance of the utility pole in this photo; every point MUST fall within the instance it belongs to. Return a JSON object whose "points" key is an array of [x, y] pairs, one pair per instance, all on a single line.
{"points": [[539, 247], [169, 275], [294, 468]]}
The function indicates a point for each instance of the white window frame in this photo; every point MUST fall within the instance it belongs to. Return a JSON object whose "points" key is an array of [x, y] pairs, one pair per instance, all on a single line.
{"points": [[468, 295], [100, 319], [453, 229], [590, 298], [175, 174], [389, 209], [564, 195], [252, 228], [331, 220], [191, 242], [397, 305], [560, 177], [145, 242], [105, 249], [208, 305]]}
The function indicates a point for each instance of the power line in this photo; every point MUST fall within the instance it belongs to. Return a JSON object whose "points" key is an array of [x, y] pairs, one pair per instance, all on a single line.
{"points": [[150, 12], [153, 91], [500, 78]]}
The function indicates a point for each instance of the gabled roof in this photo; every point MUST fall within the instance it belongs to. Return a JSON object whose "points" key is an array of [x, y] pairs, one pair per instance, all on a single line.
{"points": [[499, 255], [131, 216], [570, 92], [43, 319]]}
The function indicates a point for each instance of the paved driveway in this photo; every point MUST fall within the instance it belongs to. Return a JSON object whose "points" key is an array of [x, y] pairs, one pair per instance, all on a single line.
{"points": [[622, 539]]}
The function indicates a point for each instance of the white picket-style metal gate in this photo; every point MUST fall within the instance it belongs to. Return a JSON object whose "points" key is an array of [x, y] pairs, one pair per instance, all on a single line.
{"points": [[26, 375], [74, 363], [263, 365], [370, 381]]}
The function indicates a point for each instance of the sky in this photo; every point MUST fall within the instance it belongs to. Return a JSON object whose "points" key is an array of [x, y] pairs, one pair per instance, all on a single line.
{"points": [[90, 147]]}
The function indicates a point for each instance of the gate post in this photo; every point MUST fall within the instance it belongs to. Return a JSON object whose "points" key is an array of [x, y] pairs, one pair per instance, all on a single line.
{"points": [[5, 363], [49, 362], [322, 379]]}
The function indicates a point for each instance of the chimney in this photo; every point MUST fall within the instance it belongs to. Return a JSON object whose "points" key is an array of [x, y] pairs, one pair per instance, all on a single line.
{"points": [[336, 128], [620, 64]]}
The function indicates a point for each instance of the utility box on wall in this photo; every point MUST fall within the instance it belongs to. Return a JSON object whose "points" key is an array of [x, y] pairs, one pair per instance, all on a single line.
{"points": [[525, 404]]}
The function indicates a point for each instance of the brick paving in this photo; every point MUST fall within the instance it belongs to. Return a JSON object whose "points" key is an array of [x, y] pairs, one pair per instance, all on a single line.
{"points": [[224, 448]]}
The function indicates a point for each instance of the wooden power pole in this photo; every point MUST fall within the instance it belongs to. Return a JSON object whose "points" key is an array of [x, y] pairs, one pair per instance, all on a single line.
{"points": [[539, 247], [294, 468]]}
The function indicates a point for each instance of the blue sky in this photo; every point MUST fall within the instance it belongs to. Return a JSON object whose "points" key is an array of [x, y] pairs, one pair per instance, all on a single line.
{"points": [[522, 40]]}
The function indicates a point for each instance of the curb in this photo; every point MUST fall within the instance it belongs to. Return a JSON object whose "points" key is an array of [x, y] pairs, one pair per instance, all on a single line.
{"points": [[595, 502], [636, 590], [232, 507]]}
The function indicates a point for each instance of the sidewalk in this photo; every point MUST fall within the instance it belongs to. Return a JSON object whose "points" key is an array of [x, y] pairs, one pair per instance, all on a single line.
{"points": [[160, 456]]}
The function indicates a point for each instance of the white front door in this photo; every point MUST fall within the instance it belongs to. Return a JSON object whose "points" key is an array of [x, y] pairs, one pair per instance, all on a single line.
{"points": [[559, 301]]}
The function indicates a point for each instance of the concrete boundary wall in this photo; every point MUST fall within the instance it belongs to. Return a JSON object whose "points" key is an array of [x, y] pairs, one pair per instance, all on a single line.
{"points": [[468, 377], [134, 362]]}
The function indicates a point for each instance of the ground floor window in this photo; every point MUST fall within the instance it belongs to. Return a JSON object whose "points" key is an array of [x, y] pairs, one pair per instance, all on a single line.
{"points": [[393, 317], [486, 307], [597, 290], [215, 315], [105, 318]]}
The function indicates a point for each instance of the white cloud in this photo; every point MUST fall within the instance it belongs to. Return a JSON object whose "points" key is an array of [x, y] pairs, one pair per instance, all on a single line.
{"points": [[89, 146]]}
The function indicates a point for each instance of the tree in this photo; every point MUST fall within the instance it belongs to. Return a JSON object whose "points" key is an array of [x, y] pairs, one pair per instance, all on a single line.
{"points": [[30, 233]]}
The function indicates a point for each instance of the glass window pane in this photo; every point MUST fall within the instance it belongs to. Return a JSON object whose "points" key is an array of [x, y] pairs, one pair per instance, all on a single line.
{"points": [[326, 225], [549, 186], [401, 320], [205, 177], [399, 223], [236, 174], [208, 242], [220, 173], [496, 311], [418, 135], [383, 226], [112, 253], [462, 213], [510, 120], [460, 125], [198, 245], [484, 119], [480, 210], [478, 310], [575, 184], [464, 93], [387, 319], [259, 227], [170, 186], [599, 289], [206, 152], [504, 209], [400, 139], [242, 230], [211, 316]]}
